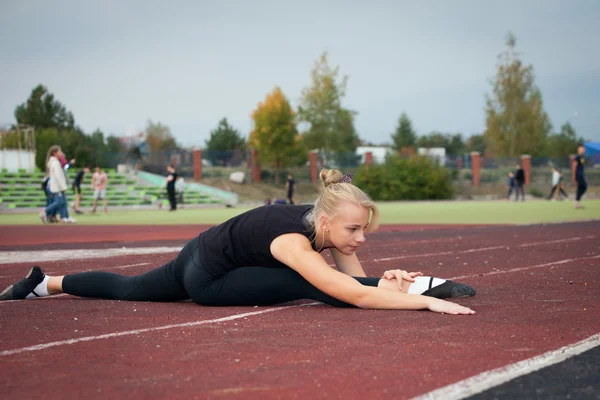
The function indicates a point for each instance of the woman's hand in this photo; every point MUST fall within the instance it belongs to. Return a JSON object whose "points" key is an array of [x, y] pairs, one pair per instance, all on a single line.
{"points": [[447, 307], [401, 275]]}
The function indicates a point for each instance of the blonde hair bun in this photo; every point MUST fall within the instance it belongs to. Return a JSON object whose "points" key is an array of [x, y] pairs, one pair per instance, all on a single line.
{"points": [[330, 176]]}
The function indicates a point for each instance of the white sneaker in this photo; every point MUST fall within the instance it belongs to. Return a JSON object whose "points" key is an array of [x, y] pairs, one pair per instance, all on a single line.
{"points": [[43, 216]]}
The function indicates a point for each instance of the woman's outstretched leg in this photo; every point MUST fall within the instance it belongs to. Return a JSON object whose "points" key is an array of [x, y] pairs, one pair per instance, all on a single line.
{"points": [[256, 286], [160, 284]]}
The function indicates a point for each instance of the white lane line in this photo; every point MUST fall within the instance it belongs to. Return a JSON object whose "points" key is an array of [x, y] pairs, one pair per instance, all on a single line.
{"points": [[573, 239], [508, 271], [13, 257], [489, 379], [441, 253], [153, 329]]}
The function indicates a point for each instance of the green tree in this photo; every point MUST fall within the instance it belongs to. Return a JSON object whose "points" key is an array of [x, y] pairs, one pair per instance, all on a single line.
{"points": [[41, 110], [159, 137], [516, 122], [433, 139], [404, 136], [476, 143], [224, 140], [562, 144], [330, 126], [275, 136]]}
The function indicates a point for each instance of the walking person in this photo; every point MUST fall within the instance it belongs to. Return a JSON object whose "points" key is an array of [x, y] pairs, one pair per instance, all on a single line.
{"points": [[170, 182], [99, 182], [520, 183], [290, 186], [270, 255], [58, 187], [579, 163], [557, 186], [511, 185], [77, 188]]}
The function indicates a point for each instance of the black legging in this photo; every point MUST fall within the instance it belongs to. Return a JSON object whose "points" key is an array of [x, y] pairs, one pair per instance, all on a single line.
{"points": [[184, 278], [172, 199], [581, 188]]}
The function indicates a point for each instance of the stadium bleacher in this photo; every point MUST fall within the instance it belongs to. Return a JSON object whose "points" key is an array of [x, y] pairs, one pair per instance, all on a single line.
{"points": [[23, 190]]}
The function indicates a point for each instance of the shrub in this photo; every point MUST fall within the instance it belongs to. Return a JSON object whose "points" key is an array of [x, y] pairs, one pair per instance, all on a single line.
{"points": [[415, 178], [536, 193]]}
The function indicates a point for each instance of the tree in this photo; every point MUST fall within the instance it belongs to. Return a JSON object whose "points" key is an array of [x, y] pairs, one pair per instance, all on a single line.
{"points": [[275, 136], [433, 139], [561, 145], [516, 122], [159, 137], [476, 143], [404, 136], [223, 141], [41, 110], [331, 127]]}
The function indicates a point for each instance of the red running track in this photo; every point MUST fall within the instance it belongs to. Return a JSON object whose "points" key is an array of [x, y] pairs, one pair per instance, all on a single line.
{"points": [[537, 290]]}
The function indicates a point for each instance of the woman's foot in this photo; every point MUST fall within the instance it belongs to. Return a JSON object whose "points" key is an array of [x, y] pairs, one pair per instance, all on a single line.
{"points": [[450, 289], [24, 287]]}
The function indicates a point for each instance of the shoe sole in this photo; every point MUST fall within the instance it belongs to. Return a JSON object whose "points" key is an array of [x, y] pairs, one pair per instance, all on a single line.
{"points": [[461, 290], [8, 290]]}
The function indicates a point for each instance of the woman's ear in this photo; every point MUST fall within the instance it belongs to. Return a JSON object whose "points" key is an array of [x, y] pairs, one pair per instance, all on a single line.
{"points": [[324, 222]]}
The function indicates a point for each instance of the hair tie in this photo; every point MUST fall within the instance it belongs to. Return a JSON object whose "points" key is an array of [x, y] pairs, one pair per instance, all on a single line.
{"points": [[346, 178]]}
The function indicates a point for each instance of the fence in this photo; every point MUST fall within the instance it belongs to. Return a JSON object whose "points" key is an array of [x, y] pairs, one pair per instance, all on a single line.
{"points": [[220, 165]]}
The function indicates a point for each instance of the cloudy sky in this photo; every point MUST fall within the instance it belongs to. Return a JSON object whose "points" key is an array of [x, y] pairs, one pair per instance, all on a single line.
{"points": [[116, 64]]}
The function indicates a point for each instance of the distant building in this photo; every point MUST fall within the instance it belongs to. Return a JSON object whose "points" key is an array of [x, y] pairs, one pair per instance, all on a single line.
{"points": [[435, 153]]}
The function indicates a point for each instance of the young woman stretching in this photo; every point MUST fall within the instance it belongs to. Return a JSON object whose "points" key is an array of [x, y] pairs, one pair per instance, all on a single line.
{"points": [[269, 255]]}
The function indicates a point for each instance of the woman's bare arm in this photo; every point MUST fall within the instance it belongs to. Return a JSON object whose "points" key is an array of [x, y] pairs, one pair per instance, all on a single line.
{"points": [[295, 251], [349, 265]]}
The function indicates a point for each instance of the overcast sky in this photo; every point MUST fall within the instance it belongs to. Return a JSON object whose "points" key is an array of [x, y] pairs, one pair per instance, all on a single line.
{"points": [[116, 64]]}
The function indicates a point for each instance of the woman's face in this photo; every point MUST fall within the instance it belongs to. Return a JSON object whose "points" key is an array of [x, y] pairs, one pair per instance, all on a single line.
{"points": [[347, 229]]}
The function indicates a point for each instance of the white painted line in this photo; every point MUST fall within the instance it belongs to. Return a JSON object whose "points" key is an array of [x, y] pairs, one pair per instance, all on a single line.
{"points": [[573, 239], [508, 271], [13, 257], [442, 253], [489, 379], [153, 329]]}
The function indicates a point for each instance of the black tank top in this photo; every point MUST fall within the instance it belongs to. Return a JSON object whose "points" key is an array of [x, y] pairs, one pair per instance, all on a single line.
{"points": [[245, 240]]}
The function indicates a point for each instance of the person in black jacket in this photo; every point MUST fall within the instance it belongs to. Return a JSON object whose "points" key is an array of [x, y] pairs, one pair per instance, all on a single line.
{"points": [[77, 187], [579, 175], [270, 255], [171, 180], [520, 182]]}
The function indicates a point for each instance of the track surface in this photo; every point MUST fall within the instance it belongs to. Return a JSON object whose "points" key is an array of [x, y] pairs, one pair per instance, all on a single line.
{"points": [[538, 290]]}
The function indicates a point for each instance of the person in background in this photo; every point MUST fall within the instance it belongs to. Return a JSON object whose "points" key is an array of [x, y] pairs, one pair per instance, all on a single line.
{"points": [[510, 186], [170, 182], [520, 183], [58, 186], [290, 186], [99, 182], [77, 187], [579, 175], [180, 189], [557, 187]]}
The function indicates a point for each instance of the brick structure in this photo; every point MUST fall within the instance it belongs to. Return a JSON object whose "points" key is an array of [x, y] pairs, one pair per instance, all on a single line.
{"points": [[255, 166], [313, 158], [197, 165], [526, 165], [475, 167]]}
